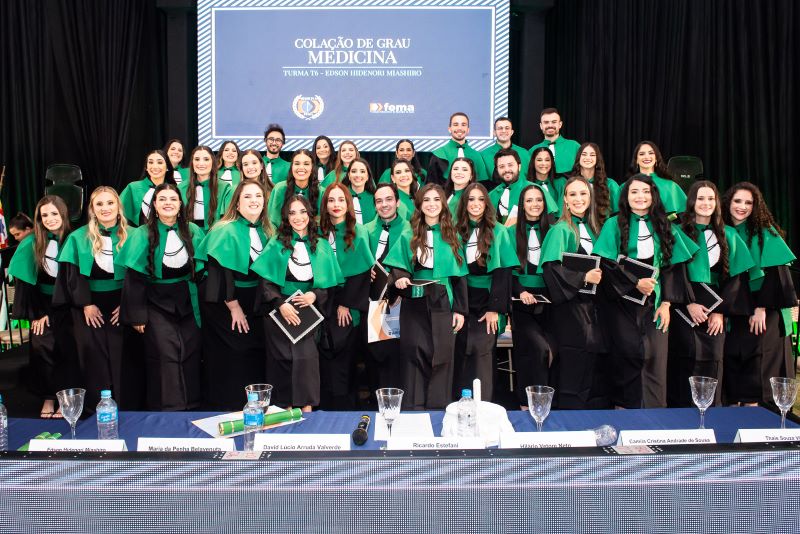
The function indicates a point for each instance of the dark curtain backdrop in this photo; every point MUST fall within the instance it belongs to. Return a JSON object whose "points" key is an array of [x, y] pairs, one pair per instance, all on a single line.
{"points": [[80, 84], [711, 78]]}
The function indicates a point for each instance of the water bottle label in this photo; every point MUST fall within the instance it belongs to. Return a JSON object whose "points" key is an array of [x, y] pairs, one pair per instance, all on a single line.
{"points": [[251, 419], [106, 417]]}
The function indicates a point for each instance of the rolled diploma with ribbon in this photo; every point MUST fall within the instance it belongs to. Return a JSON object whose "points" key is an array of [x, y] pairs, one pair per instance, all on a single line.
{"points": [[237, 425]]}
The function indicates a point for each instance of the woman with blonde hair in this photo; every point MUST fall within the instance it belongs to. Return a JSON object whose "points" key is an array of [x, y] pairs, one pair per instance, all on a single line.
{"points": [[91, 284]]}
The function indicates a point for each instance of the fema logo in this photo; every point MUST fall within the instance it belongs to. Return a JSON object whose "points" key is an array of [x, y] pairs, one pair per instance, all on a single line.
{"points": [[386, 107], [308, 107]]}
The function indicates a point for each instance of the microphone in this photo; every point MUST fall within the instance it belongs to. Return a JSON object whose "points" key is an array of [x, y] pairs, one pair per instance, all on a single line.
{"points": [[360, 434]]}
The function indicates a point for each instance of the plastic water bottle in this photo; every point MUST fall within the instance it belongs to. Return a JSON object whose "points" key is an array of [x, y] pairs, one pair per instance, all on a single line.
{"points": [[253, 420], [107, 417], [3, 426], [467, 415]]}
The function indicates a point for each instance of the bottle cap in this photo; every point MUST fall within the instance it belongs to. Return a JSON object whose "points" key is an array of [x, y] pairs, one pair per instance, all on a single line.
{"points": [[252, 396], [105, 394], [466, 393]]}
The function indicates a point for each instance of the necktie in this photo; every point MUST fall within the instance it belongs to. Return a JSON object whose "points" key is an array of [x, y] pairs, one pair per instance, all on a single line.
{"points": [[586, 240], [644, 243]]}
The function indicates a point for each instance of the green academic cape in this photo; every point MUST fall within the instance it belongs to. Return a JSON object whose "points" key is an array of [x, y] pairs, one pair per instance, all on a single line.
{"points": [[565, 152], [488, 158], [77, 250], [132, 196], [367, 202], [224, 197], [397, 226], [501, 255], [739, 259], [280, 168], [23, 265], [449, 152], [229, 244], [672, 196], [272, 266], [526, 277], [236, 176], [513, 196], [276, 199]]}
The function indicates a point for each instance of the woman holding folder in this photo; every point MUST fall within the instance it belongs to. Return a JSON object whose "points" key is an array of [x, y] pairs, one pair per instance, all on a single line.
{"points": [[298, 267], [530, 324], [639, 290], [233, 338], [571, 276], [430, 271]]}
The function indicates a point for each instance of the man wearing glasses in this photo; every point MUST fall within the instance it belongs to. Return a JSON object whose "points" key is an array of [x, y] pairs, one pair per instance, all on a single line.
{"points": [[503, 130], [277, 168]]}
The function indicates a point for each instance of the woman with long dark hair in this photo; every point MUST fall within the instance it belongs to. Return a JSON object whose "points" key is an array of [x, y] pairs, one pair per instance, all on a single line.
{"points": [[721, 264], [204, 196], [137, 197], [175, 152], [233, 338], [34, 269], [296, 259], [542, 171], [757, 344], [347, 154], [253, 169], [89, 281], [589, 163], [529, 317], [579, 368], [490, 259], [159, 299], [641, 231], [228, 168], [301, 180], [404, 150], [324, 155], [647, 160], [361, 186], [407, 187], [348, 302], [432, 313], [462, 173]]}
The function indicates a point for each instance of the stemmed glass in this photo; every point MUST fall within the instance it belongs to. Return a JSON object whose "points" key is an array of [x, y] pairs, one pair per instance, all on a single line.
{"points": [[71, 403], [703, 389], [264, 392], [539, 400], [784, 393], [389, 401]]}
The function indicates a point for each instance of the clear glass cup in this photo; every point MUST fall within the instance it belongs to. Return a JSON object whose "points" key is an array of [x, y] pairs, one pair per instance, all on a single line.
{"points": [[264, 392], [71, 403], [539, 400], [703, 389], [389, 401], [784, 393]]}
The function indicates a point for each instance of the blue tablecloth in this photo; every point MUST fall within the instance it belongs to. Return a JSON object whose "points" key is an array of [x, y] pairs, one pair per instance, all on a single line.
{"points": [[724, 421]]}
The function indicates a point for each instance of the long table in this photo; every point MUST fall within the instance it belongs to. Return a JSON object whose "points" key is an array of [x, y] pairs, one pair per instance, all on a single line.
{"points": [[704, 488]]}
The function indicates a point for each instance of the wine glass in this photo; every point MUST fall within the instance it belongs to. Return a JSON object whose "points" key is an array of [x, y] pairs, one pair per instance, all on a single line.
{"points": [[264, 392], [389, 401], [703, 389], [784, 393], [539, 400], [71, 403]]}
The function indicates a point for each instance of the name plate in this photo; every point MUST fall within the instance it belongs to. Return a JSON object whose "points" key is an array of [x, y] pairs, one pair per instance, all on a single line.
{"points": [[438, 444], [667, 437], [185, 445], [766, 435], [547, 440], [302, 442], [80, 445]]}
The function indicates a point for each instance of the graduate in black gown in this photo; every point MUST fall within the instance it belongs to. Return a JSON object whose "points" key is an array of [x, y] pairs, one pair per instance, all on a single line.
{"points": [[530, 325], [295, 259], [542, 171], [343, 335], [204, 195], [34, 269], [91, 284], [175, 152], [579, 370], [402, 175], [462, 173], [347, 154], [361, 186], [721, 263], [233, 336], [590, 164], [301, 180], [757, 345], [638, 338], [159, 299], [431, 315], [324, 155], [490, 258], [137, 197], [384, 364], [229, 170]]}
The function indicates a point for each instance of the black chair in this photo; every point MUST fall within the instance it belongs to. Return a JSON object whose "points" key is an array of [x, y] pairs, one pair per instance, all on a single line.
{"points": [[685, 169], [66, 181]]}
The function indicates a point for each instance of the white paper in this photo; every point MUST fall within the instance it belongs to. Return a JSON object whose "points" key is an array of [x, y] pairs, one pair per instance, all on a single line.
{"points": [[693, 436], [766, 435], [545, 440], [407, 425], [301, 442], [210, 425], [185, 445], [84, 445], [439, 444]]}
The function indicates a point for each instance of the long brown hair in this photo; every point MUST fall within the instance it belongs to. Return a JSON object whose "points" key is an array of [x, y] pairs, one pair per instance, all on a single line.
{"points": [[193, 183], [658, 217], [313, 182], [485, 225], [688, 218], [232, 213], [326, 226], [184, 231], [93, 228], [338, 169], [601, 194], [262, 176], [590, 217], [285, 229], [40, 232], [446, 225], [760, 218]]}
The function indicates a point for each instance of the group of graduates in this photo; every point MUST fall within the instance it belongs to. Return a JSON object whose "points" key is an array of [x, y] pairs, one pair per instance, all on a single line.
{"points": [[173, 294]]}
